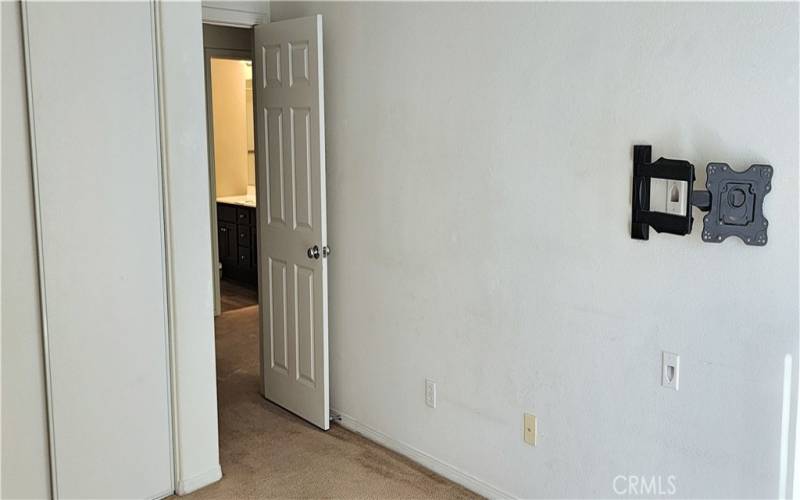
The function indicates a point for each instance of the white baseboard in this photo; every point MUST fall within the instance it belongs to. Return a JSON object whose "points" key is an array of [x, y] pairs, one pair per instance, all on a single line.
{"points": [[442, 468], [194, 483]]}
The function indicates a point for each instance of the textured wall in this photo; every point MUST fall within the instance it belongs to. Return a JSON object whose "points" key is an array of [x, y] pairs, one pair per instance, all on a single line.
{"points": [[479, 169]]}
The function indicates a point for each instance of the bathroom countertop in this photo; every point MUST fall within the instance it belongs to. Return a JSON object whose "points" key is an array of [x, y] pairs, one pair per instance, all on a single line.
{"points": [[240, 199]]}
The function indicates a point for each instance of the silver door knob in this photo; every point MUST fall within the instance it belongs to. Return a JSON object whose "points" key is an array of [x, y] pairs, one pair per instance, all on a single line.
{"points": [[326, 251], [313, 252]]}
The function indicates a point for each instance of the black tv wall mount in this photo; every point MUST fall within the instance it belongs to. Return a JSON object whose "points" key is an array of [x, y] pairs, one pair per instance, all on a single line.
{"points": [[663, 199]]}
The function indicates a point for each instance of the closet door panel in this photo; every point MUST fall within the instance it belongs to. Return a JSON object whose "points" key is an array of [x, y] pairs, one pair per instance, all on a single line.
{"points": [[95, 130]]}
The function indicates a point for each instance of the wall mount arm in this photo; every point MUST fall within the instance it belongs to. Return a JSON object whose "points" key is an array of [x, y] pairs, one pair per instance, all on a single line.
{"points": [[733, 200]]}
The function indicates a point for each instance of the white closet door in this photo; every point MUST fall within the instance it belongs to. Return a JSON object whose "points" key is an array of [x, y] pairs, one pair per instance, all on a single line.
{"points": [[95, 133]]}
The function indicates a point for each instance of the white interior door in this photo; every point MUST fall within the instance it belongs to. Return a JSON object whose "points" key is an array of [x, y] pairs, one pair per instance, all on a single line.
{"points": [[292, 235], [94, 123]]}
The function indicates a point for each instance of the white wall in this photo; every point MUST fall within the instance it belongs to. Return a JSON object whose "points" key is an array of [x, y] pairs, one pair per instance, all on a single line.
{"points": [[25, 460], [188, 213], [479, 169]]}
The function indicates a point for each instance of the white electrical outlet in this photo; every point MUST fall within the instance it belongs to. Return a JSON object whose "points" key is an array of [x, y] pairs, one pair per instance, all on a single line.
{"points": [[430, 393], [670, 369], [529, 430]]}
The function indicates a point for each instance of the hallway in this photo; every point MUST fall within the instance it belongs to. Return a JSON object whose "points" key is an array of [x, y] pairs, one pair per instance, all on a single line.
{"points": [[266, 451]]}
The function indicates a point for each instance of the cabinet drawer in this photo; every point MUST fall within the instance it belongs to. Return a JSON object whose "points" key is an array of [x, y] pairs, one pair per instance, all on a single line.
{"points": [[226, 213], [243, 215], [243, 233], [244, 258]]}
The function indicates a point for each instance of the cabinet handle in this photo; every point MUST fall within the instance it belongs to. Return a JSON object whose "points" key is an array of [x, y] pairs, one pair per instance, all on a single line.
{"points": [[223, 229]]}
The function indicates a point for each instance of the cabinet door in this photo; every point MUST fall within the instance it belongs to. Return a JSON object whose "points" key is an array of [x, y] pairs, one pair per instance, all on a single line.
{"points": [[227, 241]]}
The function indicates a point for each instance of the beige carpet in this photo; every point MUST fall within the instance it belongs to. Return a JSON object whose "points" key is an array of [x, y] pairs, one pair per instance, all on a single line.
{"points": [[266, 452]]}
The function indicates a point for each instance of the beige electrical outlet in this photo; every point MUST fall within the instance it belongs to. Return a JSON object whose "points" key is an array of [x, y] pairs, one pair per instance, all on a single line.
{"points": [[530, 430]]}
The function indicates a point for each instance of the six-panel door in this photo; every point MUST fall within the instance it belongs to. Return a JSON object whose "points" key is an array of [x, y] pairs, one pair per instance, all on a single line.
{"points": [[289, 107]]}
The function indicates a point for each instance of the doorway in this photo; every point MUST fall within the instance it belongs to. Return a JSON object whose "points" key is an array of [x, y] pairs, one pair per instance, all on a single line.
{"points": [[232, 176], [233, 171], [278, 243]]}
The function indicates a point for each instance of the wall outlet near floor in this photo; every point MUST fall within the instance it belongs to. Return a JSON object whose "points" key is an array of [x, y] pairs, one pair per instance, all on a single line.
{"points": [[530, 430], [670, 369], [430, 393]]}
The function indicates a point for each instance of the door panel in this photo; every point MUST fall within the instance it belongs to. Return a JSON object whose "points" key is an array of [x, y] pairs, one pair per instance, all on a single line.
{"points": [[291, 166], [304, 325], [274, 166], [276, 315], [95, 124], [301, 167]]}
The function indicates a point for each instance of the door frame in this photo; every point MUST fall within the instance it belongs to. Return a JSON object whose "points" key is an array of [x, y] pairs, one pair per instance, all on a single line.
{"points": [[208, 54], [231, 16], [186, 389]]}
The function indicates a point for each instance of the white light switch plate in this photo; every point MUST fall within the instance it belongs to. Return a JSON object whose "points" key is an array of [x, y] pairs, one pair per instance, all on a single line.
{"points": [[530, 429], [430, 393]]}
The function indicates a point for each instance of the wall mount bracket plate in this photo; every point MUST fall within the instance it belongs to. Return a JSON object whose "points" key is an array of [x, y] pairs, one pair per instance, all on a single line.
{"points": [[642, 216], [734, 200], [736, 207]]}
